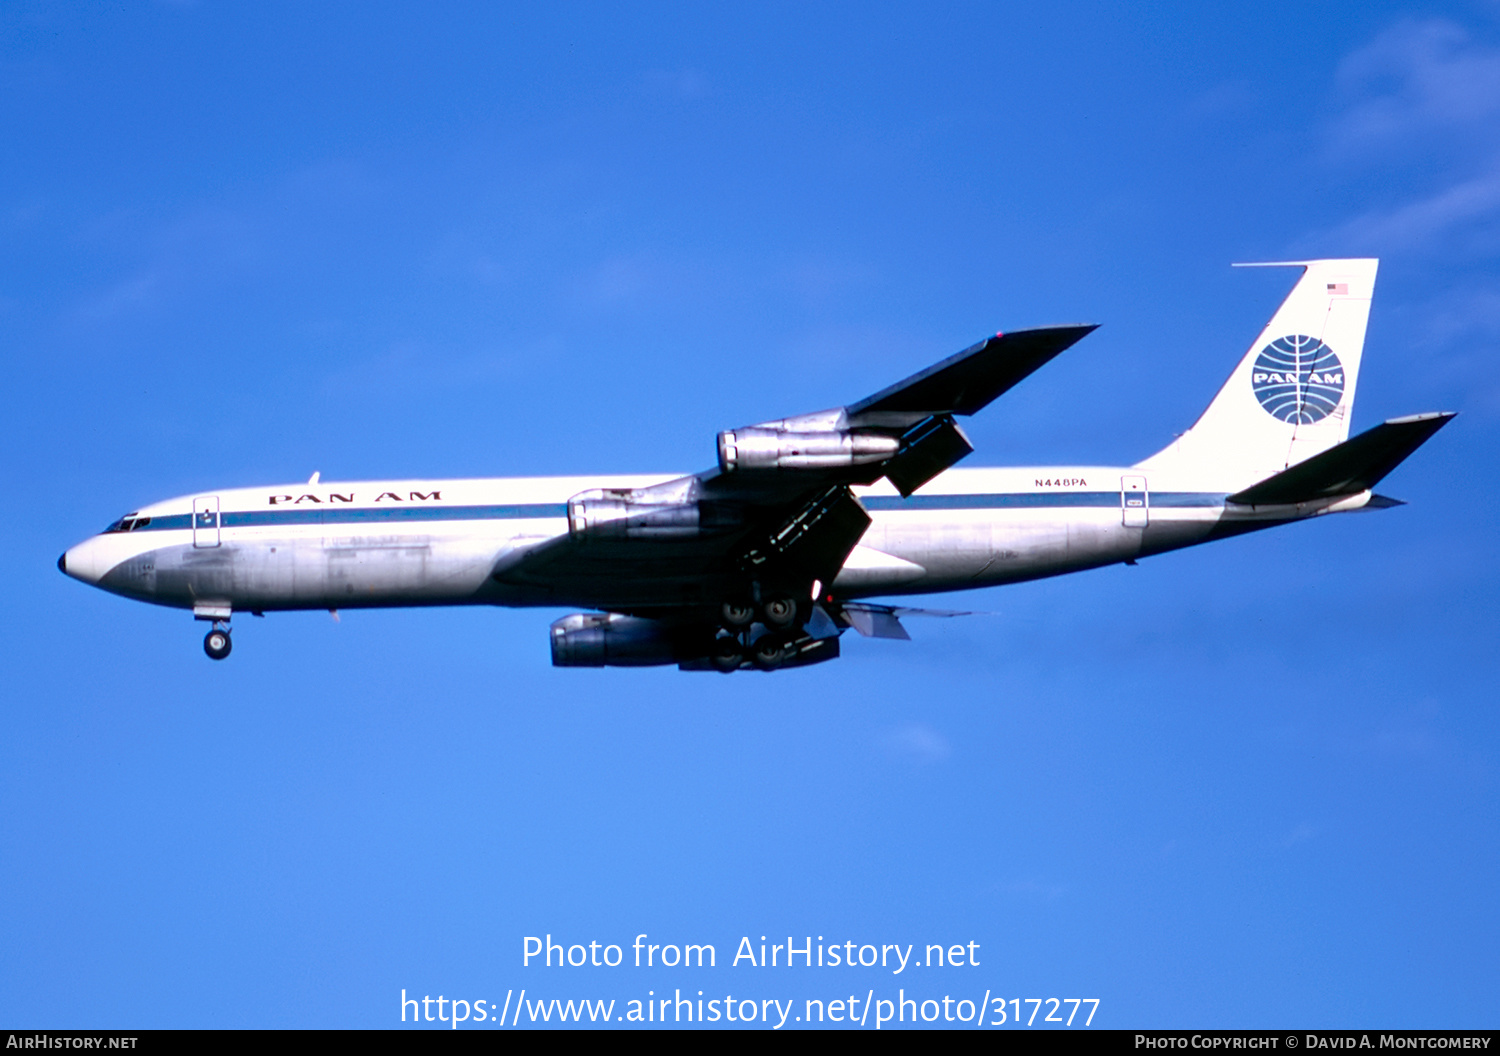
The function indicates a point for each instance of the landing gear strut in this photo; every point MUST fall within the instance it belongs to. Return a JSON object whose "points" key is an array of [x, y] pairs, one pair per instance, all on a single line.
{"points": [[216, 642]]}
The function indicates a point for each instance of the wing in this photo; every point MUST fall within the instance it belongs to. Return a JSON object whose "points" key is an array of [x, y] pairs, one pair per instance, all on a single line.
{"points": [[776, 515], [966, 383]]}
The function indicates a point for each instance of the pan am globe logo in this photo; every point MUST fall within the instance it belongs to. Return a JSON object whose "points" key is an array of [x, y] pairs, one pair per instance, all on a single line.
{"points": [[1298, 379]]}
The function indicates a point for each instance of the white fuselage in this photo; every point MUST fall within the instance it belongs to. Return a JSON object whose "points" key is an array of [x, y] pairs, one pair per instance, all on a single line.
{"points": [[438, 542]]}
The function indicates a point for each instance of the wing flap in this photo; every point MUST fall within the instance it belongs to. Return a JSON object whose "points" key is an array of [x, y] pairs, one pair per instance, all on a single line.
{"points": [[884, 621]]}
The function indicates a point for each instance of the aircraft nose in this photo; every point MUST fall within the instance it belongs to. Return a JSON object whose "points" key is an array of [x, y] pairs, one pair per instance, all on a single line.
{"points": [[87, 562]]}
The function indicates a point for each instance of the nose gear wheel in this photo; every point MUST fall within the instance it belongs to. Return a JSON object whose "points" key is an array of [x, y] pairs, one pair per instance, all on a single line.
{"points": [[216, 643]]}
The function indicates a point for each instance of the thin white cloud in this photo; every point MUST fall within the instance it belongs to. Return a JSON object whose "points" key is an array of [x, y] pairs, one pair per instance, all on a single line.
{"points": [[1422, 98], [1301, 834], [1223, 100], [916, 743], [171, 259], [1416, 80], [213, 241], [1469, 208], [683, 84], [124, 296], [1419, 106], [1035, 889], [1465, 312]]}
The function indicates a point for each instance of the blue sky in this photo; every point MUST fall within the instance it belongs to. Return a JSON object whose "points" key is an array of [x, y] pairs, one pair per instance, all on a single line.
{"points": [[1251, 784]]}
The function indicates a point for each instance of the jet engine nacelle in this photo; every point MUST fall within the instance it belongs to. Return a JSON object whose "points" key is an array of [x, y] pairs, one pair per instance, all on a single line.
{"points": [[610, 640], [760, 448], [614, 514]]}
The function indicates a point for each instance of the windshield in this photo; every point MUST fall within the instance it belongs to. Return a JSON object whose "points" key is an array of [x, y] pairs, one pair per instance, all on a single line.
{"points": [[129, 523]]}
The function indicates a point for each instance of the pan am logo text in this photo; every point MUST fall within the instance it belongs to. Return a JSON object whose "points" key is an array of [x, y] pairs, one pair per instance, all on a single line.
{"points": [[1298, 379]]}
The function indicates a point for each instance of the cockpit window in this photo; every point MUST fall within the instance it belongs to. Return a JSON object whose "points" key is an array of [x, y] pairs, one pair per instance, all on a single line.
{"points": [[129, 523]]}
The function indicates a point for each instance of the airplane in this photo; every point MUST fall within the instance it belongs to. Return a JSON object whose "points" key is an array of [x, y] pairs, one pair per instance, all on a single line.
{"points": [[764, 560]]}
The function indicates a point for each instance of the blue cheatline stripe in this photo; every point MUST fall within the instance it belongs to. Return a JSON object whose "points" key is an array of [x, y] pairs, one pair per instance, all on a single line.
{"points": [[1037, 500], [375, 515], [529, 511], [1023, 500], [1188, 498], [334, 515]]}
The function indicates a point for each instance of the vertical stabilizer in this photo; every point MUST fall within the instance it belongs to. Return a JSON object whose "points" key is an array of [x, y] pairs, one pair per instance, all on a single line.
{"points": [[1291, 396]]}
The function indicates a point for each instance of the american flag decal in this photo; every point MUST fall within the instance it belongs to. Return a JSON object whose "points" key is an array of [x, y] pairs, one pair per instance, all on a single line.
{"points": [[1338, 287]]}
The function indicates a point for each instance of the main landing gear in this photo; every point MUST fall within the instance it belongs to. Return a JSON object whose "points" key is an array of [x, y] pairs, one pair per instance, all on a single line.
{"points": [[767, 652], [216, 642], [728, 654], [777, 611], [779, 615]]}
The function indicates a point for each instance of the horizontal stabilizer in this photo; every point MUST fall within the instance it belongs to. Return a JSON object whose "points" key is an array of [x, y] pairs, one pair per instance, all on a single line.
{"points": [[965, 383], [1349, 468]]}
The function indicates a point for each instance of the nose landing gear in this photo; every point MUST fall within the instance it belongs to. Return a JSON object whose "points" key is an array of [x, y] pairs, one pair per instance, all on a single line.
{"points": [[216, 643]]}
